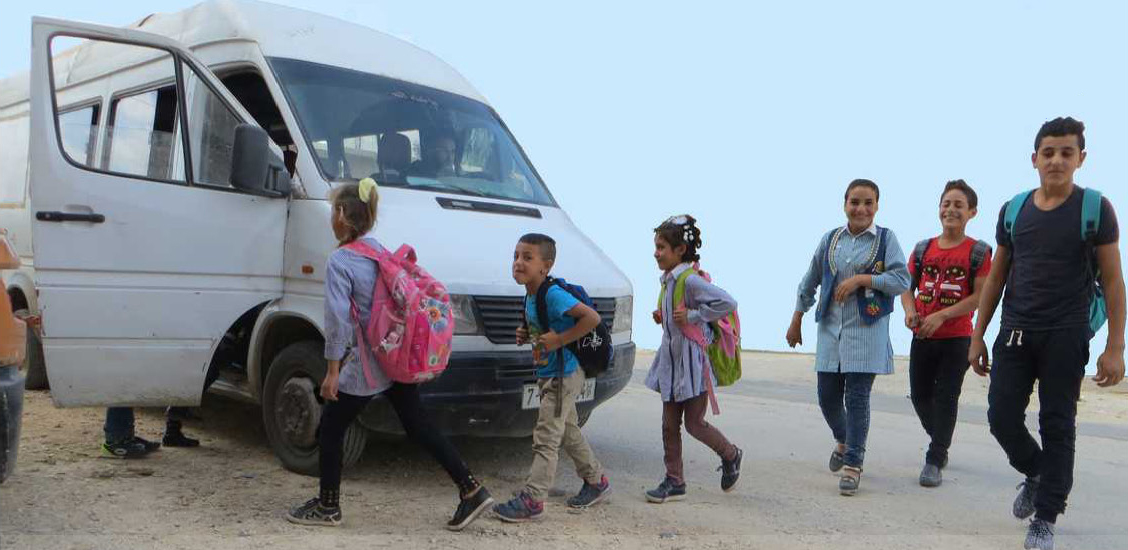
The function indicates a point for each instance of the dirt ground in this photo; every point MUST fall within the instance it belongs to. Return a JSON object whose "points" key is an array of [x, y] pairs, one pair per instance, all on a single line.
{"points": [[231, 492]]}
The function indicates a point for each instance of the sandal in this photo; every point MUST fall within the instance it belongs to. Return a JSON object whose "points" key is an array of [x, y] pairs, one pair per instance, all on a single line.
{"points": [[848, 483]]}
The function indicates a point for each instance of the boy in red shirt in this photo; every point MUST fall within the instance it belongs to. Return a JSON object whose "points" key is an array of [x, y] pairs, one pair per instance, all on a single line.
{"points": [[947, 272]]}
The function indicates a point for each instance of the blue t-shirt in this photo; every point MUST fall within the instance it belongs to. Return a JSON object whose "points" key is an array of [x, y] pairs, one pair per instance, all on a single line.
{"points": [[559, 302]]}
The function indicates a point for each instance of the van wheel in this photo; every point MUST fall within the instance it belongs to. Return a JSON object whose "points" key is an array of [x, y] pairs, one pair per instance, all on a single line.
{"points": [[34, 367], [291, 409]]}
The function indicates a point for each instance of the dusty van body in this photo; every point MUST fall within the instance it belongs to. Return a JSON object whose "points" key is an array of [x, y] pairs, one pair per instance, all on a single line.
{"points": [[153, 269]]}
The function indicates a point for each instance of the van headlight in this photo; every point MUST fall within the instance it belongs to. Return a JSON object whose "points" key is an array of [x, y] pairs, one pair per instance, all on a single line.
{"points": [[624, 308], [465, 321]]}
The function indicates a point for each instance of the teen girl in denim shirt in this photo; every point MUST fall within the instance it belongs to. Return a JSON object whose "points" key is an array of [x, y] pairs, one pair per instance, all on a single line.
{"points": [[860, 268]]}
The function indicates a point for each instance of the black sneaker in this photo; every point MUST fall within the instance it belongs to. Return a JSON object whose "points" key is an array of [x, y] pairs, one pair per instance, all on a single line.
{"points": [[1040, 535], [666, 491], [930, 476], [130, 448], [149, 445], [313, 513], [176, 438], [1024, 502], [590, 495], [730, 471], [469, 509]]}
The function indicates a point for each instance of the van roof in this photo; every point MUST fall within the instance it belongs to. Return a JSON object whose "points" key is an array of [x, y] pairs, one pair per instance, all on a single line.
{"points": [[291, 33]]}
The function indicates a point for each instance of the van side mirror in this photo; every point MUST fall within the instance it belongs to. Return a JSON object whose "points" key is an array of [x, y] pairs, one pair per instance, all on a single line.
{"points": [[254, 167]]}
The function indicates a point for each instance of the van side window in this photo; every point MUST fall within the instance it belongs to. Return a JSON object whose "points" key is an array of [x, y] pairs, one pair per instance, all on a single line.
{"points": [[78, 129], [141, 135], [211, 131]]}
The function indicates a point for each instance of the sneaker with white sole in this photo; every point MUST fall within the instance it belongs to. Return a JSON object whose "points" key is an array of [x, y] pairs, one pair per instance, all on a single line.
{"points": [[313, 513]]}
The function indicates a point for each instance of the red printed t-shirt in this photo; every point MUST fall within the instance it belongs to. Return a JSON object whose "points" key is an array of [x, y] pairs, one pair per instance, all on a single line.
{"points": [[944, 281]]}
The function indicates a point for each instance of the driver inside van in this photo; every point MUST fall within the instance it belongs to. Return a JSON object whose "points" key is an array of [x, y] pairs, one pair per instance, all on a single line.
{"points": [[438, 158]]}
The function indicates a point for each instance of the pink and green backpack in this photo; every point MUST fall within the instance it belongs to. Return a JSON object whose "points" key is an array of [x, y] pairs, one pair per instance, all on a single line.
{"points": [[724, 352]]}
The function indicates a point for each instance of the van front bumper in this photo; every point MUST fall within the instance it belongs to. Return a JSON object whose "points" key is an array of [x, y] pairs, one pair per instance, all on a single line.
{"points": [[480, 394]]}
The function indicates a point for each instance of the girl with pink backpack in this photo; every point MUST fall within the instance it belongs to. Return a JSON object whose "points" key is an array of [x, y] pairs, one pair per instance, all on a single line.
{"points": [[355, 293], [682, 372]]}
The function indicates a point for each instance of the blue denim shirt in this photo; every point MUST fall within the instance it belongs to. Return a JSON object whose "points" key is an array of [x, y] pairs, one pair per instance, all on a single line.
{"points": [[845, 343]]}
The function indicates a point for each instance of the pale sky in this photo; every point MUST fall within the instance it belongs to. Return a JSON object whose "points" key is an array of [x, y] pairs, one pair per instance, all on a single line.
{"points": [[753, 118]]}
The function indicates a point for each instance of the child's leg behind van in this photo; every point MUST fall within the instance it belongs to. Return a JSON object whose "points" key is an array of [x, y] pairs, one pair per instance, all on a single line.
{"points": [[419, 428], [473, 497]]}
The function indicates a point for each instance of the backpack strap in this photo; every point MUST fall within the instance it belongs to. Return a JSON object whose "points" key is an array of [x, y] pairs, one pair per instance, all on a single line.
{"points": [[979, 252], [1010, 215], [1090, 214], [542, 320], [918, 260]]}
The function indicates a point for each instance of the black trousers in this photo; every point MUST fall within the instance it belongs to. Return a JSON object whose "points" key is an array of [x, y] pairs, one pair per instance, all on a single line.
{"points": [[1056, 359], [337, 416], [936, 375]]}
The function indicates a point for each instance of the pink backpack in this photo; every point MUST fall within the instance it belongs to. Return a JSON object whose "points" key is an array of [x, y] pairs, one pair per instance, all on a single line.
{"points": [[411, 324]]}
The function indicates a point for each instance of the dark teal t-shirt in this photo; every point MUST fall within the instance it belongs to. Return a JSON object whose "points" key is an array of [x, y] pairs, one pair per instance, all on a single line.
{"points": [[559, 302]]}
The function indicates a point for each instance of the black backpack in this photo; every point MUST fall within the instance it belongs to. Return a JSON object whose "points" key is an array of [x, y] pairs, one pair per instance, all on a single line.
{"points": [[593, 350], [980, 251]]}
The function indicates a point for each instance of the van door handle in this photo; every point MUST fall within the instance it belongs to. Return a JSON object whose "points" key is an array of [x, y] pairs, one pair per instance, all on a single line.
{"points": [[69, 217]]}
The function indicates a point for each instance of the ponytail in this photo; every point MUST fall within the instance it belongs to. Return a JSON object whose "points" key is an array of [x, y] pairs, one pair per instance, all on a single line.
{"points": [[357, 203]]}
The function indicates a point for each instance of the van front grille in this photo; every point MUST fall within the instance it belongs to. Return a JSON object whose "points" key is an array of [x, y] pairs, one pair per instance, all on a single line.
{"points": [[500, 315]]}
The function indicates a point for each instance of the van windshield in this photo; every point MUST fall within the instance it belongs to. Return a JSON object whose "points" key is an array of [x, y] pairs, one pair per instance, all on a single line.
{"points": [[405, 135]]}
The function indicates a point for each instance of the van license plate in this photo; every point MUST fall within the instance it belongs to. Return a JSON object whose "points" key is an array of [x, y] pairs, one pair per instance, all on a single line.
{"points": [[530, 398]]}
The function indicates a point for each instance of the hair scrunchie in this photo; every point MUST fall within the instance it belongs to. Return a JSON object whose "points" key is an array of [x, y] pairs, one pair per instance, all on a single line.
{"points": [[365, 189]]}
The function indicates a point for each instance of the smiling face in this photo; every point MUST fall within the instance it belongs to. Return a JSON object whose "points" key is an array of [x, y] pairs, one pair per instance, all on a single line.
{"points": [[1057, 158], [955, 211], [529, 265], [861, 207], [668, 257]]}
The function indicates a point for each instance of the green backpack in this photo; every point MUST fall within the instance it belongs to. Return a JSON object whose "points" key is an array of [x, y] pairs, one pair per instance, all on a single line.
{"points": [[724, 351]]}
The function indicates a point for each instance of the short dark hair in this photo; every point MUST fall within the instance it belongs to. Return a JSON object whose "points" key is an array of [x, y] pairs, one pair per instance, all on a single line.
{"points": [[861, 183], [1061, 127], [675, 234], [546, 244], [961, 185]]}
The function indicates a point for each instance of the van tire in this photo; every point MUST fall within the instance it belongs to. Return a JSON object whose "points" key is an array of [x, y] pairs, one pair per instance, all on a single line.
{"points": [[34, 366], [291, 410]]}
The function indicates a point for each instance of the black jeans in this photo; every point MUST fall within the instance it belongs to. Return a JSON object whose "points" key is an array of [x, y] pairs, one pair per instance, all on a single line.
{"points": [[338, 415], [936, 375], [1056, 359]]}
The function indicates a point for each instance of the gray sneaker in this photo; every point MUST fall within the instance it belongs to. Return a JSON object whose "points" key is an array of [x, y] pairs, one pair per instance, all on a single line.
{"points": [[930, 476], [1024, 502], [1040, 535]]}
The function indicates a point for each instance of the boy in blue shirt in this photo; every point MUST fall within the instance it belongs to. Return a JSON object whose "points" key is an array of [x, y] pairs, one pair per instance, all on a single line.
{"points": [[560, 380]]}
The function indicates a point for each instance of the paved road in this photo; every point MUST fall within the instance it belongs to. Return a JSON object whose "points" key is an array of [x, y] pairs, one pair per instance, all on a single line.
{"points": [[231, 493]]}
